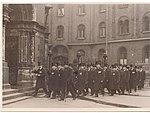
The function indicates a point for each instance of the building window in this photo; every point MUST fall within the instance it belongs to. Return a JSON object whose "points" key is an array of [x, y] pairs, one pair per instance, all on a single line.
{"points": [[123, 6], [82, 58], [61, 10], [146, 54], [146, 22], [81, 9], [123, 25], [122, 56], [60, 32], [102, 29], [81, 31], [102, 8]]}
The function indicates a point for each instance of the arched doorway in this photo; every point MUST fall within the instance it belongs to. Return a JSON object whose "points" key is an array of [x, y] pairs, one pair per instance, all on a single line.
{"points": [[100, 55], [146, 54], [122, 56], [82, 56], [60, 54]]}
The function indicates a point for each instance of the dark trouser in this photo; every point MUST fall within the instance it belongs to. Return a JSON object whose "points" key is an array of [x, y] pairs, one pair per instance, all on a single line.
{"points": [[71, 88], [122, 91], [64, 91], [92, 91], [55, 93], [49, 93], [81, 92], [96, 93], [112, 92], [36, 91]]}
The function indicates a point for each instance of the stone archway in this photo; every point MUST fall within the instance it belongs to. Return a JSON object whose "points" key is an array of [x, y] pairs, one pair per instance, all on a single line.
{"points": [[122, 55], [60, 54]]}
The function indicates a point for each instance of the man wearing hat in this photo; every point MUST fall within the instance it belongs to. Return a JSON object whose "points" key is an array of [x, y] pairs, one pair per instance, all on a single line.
{"points": [[54, 82], [81, 80], [113, 79], [133, 79], [91, 79], [40, 79], [98, 80], [140, 77]]}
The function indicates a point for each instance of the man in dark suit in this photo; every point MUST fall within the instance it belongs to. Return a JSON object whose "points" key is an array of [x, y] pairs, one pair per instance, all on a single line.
{"points": [[40, 79], [98, 80]]}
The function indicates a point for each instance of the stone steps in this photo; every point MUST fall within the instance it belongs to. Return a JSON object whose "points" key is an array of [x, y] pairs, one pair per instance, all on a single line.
{"points": [[12, 96], [16, 94], [15, 100], [10, 91], [6, 86]]}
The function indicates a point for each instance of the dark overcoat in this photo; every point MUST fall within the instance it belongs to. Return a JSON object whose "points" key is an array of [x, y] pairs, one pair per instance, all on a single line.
{"points": [[91, 78], [106, 78], [54, 80], [81, 79], [113, 79], [98, 78], [65, 77], [123, 79], [40, 78], [133, 78], [140, 78]]}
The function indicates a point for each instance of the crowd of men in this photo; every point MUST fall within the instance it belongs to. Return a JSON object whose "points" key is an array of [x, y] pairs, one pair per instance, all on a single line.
{"points": [[88, 80]]}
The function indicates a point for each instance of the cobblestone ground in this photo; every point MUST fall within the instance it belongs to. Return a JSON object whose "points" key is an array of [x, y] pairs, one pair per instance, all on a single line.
{"points": [[139, 99]]}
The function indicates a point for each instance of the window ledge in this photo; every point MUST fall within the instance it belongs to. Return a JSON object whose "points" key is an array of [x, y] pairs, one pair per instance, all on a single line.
{"points": [[102, 36], [61, 15], [60, 39], [124, 34], [145, 32], [81, 14], [81, 38], [102, 11]]}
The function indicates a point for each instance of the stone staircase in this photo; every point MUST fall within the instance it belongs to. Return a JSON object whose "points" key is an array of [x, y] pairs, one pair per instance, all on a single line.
{"points": [[14, 95]]}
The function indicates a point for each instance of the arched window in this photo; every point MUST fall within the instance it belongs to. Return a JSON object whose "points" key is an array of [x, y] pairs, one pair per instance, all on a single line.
{"points": [[82, 56], [81, 31], [122, 55], [102, 29], [60, 54], [126, 26], [123, 25], [146, 22], [146, 54], [60, 32]]}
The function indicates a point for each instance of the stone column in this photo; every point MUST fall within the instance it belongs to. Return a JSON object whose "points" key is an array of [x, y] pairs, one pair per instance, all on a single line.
{"points": [[24, 71], [6, 18]]}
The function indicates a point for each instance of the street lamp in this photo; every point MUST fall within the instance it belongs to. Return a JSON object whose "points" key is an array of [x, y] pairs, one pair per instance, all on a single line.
{"points": [[49, 56], [105, 59], [78, 57]]}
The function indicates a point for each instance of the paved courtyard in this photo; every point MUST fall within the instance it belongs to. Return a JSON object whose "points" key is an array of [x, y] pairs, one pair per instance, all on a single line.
{"points": [[140, 99]]}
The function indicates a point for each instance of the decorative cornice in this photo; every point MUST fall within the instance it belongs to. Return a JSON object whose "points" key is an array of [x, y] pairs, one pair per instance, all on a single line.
{"points": [[112, 41], [28, 25]]}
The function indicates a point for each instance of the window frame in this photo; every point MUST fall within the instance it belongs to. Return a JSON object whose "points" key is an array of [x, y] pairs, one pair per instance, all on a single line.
{"points": [[61, 29], [81, 28], [61, 9], [102, 29], [81, 10]]}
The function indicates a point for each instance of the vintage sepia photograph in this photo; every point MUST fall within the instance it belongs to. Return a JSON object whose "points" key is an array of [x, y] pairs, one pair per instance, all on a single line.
{"points": [[75, 56]]}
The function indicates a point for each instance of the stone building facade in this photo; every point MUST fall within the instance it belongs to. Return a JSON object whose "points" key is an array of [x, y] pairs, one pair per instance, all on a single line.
{"points": [[55, 33], [119, 30], [26, 40]]}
